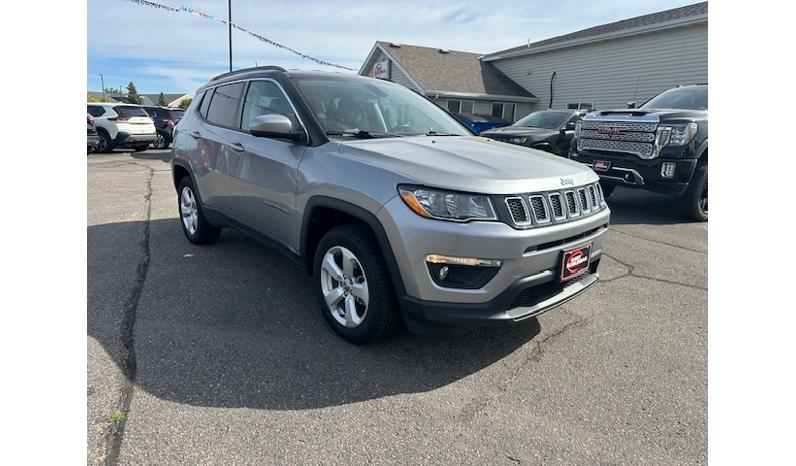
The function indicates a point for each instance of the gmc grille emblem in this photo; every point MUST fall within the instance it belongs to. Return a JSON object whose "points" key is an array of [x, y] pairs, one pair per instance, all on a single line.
{"points": [[609, 129]]}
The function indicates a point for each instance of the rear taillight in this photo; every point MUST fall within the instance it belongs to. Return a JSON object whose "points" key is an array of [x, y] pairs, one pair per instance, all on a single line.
{"points": [[169, 123], [89, 119]]}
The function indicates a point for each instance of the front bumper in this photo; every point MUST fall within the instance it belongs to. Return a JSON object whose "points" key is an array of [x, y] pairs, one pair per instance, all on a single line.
{"points": [[633, 172], [524, 265], [127, 139]]}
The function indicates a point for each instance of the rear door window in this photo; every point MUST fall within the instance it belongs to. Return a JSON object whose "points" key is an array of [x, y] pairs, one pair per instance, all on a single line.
{"points": [[223, 110]]}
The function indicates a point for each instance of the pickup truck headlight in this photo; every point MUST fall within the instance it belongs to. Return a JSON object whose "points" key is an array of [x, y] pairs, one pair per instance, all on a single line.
{"points": [[682, 134], [518, 140], [447, 205], [578, 127]]}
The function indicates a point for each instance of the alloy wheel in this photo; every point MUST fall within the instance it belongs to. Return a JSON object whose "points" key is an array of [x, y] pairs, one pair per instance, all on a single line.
{"points": [[160, 141], [703, 199], [188, 210], [344, 286]]}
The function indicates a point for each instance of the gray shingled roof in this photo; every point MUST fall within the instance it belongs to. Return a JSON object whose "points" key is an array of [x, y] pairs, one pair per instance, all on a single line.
{"points": [[697, 9], [454, 71]]}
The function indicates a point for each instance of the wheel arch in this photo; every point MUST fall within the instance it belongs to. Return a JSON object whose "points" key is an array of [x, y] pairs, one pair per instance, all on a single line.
{"points": [[323, 213]]}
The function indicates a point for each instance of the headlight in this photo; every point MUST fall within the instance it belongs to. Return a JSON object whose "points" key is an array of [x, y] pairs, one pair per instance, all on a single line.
{"points": [[682, 134], [518, 140], [447, 205], [578, 127]]}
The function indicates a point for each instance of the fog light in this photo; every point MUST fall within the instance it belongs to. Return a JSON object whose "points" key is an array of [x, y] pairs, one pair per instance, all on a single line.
{"points": [[667, 169], [462, 272]]}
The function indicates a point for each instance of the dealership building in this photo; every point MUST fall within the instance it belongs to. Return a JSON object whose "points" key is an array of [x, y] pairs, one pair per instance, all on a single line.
{"points": [[601, 67]]}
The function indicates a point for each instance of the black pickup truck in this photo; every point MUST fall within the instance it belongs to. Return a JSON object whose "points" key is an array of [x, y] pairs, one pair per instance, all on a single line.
{"points": [[661, 146]]}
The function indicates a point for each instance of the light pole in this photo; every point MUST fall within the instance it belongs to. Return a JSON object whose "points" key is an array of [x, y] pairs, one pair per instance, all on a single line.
{"points": [[229, 26], [102, 80]]}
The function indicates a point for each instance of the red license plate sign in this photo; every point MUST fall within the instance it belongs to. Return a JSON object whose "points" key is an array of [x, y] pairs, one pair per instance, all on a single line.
{"points": [[601, 165], [575, 262]]}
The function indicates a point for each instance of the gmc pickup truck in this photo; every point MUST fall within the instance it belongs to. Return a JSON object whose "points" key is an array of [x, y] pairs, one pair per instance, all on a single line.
{"points": [[661, 146]]}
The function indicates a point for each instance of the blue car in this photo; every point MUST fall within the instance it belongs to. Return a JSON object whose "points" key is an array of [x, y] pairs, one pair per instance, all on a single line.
{"points": [[479, 123]]}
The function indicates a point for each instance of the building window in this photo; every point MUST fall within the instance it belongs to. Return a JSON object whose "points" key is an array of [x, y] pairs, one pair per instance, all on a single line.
{"points": [[460, 106], [503, 110], [581, 106]]}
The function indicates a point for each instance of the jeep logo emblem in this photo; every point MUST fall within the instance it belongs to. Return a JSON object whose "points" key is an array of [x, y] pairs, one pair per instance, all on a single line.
{"points": [[567, 181]]}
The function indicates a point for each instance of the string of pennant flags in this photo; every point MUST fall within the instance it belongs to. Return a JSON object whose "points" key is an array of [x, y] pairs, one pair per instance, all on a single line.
{"points": [[266, 40]]}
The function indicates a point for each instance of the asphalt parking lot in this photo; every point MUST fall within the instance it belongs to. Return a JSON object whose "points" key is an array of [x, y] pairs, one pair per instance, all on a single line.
{"points": [[232, 362]]}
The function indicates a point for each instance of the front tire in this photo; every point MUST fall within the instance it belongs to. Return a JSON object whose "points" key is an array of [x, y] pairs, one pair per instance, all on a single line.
{"points": [[353, 285], [194, 224], [694, 203]]}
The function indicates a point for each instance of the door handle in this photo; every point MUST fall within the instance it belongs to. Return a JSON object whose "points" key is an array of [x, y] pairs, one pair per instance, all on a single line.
{"points": [[195, 134], [237, 147]]}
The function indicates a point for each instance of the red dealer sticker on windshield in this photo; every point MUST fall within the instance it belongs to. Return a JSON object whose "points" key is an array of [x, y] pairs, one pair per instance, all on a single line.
{"points": [[575, 262]]}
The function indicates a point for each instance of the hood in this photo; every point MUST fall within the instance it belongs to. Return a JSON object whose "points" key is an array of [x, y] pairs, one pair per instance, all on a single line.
{"points": [[662, 113], [469, 163]]}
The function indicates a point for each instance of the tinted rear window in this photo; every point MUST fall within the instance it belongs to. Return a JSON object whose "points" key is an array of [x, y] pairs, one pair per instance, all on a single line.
{"points": [[175, 114], [128, 112], [223, 109]]}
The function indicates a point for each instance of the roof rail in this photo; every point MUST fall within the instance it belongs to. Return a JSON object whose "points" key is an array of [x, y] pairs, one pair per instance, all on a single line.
{"points": [[248, 70]]}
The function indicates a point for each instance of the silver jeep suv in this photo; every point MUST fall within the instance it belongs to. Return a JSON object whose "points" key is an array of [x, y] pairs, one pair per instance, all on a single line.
{"points": [[397, 210]]}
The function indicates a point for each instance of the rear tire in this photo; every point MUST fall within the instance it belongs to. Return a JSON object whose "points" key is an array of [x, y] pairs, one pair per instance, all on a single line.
{"points": [[141, 147], [694, 203], [608, 189], [161, 142], [105, 143], [194, 224], [356, 265]]}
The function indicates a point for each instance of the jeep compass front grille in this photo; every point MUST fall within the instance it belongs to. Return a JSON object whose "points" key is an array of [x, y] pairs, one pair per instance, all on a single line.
{"points": [[538, 209]]}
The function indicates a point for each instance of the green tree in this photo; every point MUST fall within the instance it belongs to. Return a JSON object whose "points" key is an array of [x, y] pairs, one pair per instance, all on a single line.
{"points": [[132, 95], [185, 103], [162, 100]]}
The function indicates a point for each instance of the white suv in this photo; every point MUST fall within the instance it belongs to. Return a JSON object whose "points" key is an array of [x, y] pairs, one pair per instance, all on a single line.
{"points": [[122, 125]]}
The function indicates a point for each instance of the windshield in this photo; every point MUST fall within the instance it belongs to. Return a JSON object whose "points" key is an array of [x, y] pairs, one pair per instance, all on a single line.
{"points": [[359, 107], [547, 120], [685, 98]]}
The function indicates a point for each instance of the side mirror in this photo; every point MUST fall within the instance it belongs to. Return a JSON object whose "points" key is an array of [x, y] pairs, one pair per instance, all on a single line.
{"points": [[274, 126], [570, 126], [631, 105]]}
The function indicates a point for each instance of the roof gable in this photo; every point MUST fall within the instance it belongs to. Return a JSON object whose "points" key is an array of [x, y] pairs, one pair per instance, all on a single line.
{"points": [[436, 70]]}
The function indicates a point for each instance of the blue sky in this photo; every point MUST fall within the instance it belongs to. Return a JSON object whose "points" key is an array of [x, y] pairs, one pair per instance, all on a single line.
{"points": [[178, 52]]}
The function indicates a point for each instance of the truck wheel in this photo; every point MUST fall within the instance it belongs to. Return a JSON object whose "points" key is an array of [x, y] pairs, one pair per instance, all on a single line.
{"points": [[694, 202], [353, 285], [608, 189], [141, 147], [196, 228]]}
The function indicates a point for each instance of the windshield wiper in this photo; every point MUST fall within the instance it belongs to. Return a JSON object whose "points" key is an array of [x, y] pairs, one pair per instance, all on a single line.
{"points": [[437, 133], [362, 134]]}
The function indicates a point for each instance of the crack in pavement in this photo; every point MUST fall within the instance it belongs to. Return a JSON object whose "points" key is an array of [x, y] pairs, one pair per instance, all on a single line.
{"points": [[633, 235], [474, 408], [128, 366], [631, 272]]}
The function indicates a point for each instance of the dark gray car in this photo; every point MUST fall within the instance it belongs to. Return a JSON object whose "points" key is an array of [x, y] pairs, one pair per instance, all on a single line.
{"points": [[397, 210]]}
